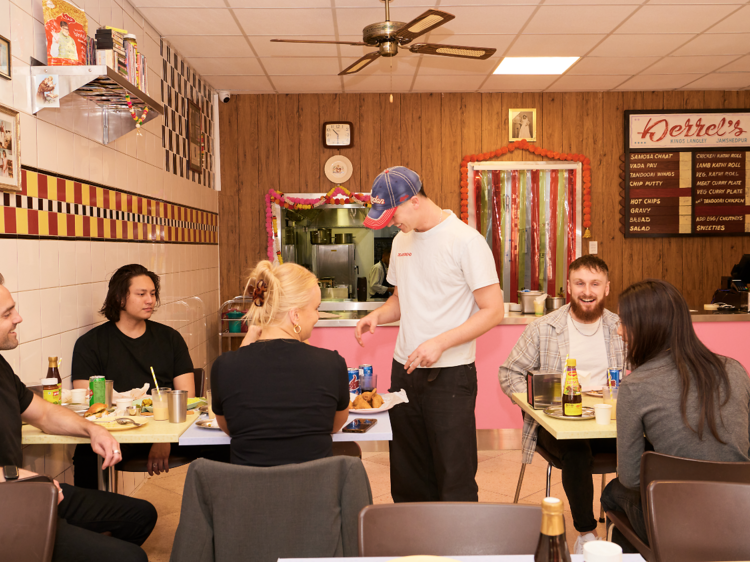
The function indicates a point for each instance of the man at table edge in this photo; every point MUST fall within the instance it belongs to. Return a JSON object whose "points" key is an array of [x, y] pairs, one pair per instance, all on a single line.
{"points": [[447, 294], [586, 331], [90, 512]]}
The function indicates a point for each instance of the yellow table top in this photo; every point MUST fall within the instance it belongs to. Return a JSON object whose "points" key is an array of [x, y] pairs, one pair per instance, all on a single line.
{"points": [[152, 432], [569, 429]]}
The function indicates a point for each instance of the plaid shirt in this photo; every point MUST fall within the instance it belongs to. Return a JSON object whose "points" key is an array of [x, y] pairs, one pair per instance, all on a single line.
{"points": [[543, 346]]}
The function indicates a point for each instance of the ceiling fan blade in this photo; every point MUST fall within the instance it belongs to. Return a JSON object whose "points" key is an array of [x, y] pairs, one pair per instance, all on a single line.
{"points": [[355, 43], [423, 24], [360, 64], [460, 51]]}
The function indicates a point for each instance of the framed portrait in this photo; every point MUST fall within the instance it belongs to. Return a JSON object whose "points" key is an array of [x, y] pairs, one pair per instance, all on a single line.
{"points": [[194, 137], [10, 149], [5, 59], [522, 124]]}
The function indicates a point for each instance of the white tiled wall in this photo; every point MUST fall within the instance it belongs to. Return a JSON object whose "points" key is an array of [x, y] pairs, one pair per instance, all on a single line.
{"points": [[60, 285]]}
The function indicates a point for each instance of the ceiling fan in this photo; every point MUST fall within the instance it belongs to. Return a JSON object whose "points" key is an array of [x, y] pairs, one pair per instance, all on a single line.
{"points": [[388, 35]]}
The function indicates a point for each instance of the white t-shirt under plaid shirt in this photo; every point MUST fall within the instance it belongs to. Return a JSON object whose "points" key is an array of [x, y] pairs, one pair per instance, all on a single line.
{"points": [[436, 273]]}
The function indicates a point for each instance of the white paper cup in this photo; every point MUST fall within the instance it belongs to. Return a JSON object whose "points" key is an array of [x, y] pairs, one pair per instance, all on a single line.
{"points": [[122, 405], [78, 395], [603, 414], [602, 551]]}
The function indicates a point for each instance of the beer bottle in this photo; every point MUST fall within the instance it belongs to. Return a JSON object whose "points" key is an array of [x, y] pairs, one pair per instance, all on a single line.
{"points": [[552, 546], [572, 400]]}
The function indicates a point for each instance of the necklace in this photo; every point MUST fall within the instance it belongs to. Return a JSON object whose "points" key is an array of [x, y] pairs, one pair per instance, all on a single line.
{"points": [[586, 335]]}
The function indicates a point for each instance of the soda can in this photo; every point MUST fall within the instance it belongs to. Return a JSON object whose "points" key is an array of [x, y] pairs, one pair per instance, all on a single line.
{"points": [[98, 386], [614, 377], [353, 380]]}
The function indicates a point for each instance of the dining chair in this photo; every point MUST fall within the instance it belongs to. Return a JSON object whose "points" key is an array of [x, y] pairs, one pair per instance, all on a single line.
{"points": [[692, 521], [448, 528], [658, 466], [199, 376], [28, 520]]}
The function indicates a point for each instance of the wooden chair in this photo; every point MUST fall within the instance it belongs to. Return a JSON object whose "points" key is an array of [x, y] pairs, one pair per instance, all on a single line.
{"points": [[28, 520], [448, 528], [692, 521], [657, 466]]}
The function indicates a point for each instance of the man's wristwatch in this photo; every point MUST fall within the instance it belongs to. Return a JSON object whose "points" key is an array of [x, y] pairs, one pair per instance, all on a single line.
{"points": [[10, 472]]}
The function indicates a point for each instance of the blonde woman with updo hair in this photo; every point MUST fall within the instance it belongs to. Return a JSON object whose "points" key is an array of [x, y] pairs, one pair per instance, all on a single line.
{"points": [[279, 398]]}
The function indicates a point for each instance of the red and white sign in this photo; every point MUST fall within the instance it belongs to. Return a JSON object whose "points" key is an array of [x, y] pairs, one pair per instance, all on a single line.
{"points": [[689, 130]]}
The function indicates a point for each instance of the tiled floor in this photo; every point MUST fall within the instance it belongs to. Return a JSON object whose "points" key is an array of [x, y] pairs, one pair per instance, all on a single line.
{"points": [[497, 478]]}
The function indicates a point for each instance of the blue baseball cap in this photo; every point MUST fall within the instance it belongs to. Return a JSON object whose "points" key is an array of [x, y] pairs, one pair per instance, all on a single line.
{"points": [[392, 187]]}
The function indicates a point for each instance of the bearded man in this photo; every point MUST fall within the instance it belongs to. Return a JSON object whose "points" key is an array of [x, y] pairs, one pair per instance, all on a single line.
{"points": [[586, 331]]}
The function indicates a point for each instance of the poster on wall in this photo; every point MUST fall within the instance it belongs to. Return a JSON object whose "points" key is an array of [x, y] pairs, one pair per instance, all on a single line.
{"points": [[10, 149], [194, 137], [5, 58], [686, 174], [522, 124]]}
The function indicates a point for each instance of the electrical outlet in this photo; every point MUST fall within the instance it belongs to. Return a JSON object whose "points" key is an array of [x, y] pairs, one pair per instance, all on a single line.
{"points": [[593, 247]]}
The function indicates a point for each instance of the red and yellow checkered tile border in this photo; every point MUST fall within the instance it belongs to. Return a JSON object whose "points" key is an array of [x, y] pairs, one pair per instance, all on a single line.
{"points": [[56, 207]]}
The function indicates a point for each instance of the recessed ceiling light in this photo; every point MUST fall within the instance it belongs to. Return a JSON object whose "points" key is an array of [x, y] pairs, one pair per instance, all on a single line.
{"points": [[535, 65]]}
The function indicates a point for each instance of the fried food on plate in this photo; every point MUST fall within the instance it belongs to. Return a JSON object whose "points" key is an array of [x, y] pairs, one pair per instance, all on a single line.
{"points": [[368, 400], [361, 404], [377, 401]]}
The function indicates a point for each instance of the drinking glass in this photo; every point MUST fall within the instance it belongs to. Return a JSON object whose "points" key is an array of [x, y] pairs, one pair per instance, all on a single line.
{"points": [[369, 383], [209, 398], [609, 395], [160, 404]]}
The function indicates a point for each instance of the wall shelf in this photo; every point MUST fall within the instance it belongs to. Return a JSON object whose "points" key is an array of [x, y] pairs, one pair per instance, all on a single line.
{"points": [[104, 87]]}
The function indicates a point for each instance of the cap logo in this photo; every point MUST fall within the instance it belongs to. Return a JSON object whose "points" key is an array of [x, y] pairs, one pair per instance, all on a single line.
{"points": [[377, 200], [404, 198]]}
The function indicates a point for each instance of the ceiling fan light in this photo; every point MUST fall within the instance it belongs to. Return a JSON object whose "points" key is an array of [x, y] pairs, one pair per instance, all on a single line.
{"points": [[459, 52], [535, 65], [423, 24]]}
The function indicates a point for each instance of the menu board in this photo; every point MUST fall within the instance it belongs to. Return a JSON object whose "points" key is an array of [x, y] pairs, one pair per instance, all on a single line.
{"points": [[689, 191]]}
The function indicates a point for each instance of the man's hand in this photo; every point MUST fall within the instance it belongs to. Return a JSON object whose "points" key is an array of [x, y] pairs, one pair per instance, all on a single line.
{"points": [[158, 458], [425, 356], [253, 335], [368, 323], [60, 495], [105, 445]]}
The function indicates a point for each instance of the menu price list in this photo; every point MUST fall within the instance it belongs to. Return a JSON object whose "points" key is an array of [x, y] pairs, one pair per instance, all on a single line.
{"points": [[699, 193]]}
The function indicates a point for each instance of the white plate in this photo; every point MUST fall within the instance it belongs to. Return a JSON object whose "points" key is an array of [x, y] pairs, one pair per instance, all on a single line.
{"points": [[338, 169], [208, 424], [388, 403]]}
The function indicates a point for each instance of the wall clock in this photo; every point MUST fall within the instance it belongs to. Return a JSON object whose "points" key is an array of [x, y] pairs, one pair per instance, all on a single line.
{"points": [[338, 169], [338, 134]]}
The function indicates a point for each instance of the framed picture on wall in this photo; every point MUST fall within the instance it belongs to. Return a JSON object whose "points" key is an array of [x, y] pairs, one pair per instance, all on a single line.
{"points": [[522, 124], [4, 58], [10, 149], [194, 137]]}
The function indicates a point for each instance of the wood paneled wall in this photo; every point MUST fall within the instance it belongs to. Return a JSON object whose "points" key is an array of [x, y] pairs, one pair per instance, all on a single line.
{"points": [[276, 141]]}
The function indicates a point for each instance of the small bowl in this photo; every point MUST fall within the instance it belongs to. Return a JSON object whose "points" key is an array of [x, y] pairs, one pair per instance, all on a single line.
{"points": [[515, 307]]}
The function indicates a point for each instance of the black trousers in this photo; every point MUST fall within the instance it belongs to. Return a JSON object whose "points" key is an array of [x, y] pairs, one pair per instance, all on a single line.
{"points": [[616, 497], [434, 447], [86, 465], [84, 515], [577, 456]]}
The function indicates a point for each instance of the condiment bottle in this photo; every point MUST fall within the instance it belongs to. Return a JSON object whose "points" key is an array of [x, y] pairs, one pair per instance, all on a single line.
{"points": [[572, 400], [53, 372], [51, 390], [552, 546]]}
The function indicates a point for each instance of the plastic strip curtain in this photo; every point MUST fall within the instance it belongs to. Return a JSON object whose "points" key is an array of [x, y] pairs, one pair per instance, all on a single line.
{"points": [[528, 218]]}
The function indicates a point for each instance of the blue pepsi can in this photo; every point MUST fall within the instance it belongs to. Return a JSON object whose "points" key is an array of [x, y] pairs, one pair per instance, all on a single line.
{"points": [[366, 371], [353, 380], [614, 376]]}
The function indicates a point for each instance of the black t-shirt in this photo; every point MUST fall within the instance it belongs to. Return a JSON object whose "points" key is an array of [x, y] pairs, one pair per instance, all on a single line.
{"points": [[106, 351], [14, 399], [279, 398]]}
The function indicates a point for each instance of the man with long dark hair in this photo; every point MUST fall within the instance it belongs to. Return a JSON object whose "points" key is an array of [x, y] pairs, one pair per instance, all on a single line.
{"points": [[585, 331], [681, 397]]}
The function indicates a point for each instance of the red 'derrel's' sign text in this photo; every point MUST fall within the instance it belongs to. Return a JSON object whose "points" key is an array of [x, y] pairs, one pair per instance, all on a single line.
{"points": [[689, 130]]}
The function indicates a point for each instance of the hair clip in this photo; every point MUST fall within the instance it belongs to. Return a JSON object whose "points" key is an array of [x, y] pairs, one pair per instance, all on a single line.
{"points": [[259, 293]]}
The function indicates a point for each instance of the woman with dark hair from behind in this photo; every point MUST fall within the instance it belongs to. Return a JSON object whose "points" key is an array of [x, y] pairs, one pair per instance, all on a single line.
{"points": [[684, 399]]}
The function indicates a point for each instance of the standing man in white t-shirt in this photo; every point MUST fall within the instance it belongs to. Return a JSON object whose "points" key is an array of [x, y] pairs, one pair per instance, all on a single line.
{"points": [[446, 295], [585, 331]]}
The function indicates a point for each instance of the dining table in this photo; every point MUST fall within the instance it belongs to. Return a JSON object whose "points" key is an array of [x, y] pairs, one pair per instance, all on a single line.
{"points": [[570, 428], [484, 558]]}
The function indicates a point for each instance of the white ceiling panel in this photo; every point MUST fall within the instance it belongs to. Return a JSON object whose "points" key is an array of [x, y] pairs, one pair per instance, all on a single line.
{"points": [[686, 65], [658, 82], [672, 19], [505, 83], [587, 83], [450, 83], [640, 45], [307, 84], [255, 84], [357, 83], [729, 44], [191, 21], [436, 65], [448, 4], [486, 20], [177, 3], [210, 46], [281, 21], [739, 22], [277, 4], [605, 66], [351, 21], [735, 2], [593, 2], [553, 45], [425, 4], [401, 65], [740, 65], [718, 81], [578, 19], [226, 66], [314, 66]]}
